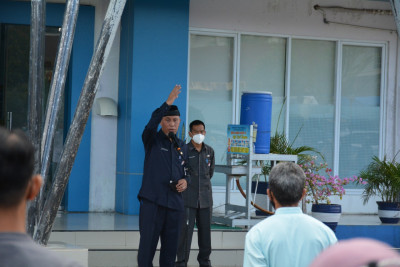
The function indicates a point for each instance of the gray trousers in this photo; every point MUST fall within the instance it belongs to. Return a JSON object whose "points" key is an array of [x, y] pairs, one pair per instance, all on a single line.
{"points": [[202, 217]]}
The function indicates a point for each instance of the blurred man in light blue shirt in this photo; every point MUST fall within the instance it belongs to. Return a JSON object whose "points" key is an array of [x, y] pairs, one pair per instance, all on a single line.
{"points": [[289, 238]]}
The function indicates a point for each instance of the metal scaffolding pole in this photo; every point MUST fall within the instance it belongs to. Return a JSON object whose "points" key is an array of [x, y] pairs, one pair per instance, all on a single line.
{"points": [[56, 92], [35, 94], [75, 133]]}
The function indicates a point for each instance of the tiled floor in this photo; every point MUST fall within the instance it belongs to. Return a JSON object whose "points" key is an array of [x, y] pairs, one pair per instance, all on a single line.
{"points": [[352, 219], [119, 222], [112, 239], [95, 222]]}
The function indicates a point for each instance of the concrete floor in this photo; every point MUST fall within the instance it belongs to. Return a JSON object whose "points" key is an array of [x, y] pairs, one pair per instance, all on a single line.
{"points": [[112, 239], [119, 222]]}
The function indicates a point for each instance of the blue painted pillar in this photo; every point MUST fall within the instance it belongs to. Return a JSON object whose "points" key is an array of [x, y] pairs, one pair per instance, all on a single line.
{"points": [[77, 194], [153, 58]]}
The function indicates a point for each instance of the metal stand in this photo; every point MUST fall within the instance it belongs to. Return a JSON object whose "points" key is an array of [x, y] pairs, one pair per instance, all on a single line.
{"points": [[241, 215]]}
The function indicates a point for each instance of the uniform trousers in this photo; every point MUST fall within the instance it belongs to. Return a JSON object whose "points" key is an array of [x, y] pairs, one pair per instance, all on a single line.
{"points": [[203, 223], [158, 222]]}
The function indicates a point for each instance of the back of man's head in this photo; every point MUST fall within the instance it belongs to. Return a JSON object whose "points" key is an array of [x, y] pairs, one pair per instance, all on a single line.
{"points": [[286, 182], [16, 166]]}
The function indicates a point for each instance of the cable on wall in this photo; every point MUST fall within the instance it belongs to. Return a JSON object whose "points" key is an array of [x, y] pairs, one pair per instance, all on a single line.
{"points": [[386, 12], [323, 9]]}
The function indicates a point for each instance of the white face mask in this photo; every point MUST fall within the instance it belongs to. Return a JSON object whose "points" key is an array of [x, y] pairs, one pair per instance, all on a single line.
{"points": [[198, 138]]}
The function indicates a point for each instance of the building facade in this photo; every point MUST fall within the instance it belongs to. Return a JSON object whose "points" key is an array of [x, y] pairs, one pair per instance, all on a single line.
{"points": [[332, 68]]}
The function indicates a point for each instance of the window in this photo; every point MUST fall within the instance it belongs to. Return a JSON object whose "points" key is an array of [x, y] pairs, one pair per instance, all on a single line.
{"points": [[332, 89], [360, 107], [210, 90], [14, 79], [312, 98], [262, 68]]}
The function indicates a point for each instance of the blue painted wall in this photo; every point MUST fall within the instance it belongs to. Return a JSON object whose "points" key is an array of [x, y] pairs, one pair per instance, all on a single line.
{"points": [[77, 194], [153, 58], [388, 233]]}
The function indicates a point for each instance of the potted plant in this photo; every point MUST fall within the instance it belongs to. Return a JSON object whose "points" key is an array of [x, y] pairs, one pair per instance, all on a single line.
{"points": [[281, 145], [278, 145], [320, 186], [383, 178]]}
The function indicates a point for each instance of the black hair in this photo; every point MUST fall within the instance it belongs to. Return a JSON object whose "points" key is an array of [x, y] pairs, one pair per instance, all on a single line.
{"points": [[16, 166], [196, 122]]}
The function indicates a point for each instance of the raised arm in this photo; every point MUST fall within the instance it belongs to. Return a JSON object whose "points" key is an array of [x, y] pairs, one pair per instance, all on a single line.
{"points": [[151, 128], [174, 94]]}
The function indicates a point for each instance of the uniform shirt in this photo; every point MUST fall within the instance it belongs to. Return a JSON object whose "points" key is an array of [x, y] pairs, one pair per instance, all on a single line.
{"points": [[201, 165], [162, 163], [287, 239], [19, 250]]}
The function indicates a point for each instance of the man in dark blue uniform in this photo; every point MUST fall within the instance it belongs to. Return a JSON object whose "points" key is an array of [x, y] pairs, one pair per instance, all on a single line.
{"points": [[197, 198], [164, 179]]}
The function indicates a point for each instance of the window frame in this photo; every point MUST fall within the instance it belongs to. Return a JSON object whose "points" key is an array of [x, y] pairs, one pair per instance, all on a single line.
{"points": [[339, 43]]}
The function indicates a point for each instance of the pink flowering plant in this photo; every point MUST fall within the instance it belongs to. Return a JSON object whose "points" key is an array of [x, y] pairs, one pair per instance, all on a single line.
{"points": [[321, 184]]}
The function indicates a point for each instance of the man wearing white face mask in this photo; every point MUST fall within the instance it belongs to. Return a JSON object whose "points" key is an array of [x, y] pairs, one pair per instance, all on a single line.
{"points": [[197, 198]]}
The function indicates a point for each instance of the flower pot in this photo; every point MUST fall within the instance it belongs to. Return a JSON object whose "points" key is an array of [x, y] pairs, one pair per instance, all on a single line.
{"points": [[328, 214], [261, 213], [261, 187], [389, 212], [261, 197]]}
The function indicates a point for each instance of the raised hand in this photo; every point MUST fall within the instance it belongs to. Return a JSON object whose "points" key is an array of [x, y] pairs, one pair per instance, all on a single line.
{"points": [[174, 94]]}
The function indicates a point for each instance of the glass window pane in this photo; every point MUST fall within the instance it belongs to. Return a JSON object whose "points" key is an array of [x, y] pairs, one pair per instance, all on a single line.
{"points": [[360, 108], [312, 102], [210, 91], [14, 78], [15, 65], [262, 68]]}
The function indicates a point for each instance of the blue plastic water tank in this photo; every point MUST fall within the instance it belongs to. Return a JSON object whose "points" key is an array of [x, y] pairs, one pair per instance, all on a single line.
{"points": [[257, 107]]}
